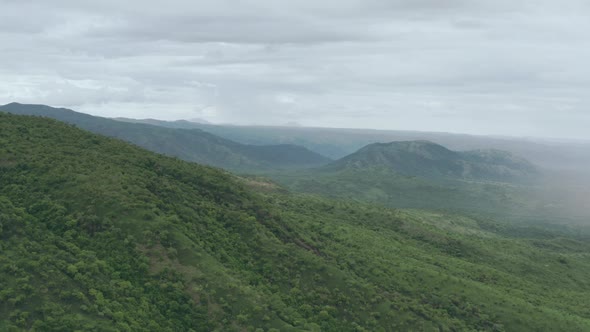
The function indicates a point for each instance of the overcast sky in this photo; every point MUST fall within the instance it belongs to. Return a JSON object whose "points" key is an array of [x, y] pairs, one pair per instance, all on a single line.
{"points": [[486, 67]]}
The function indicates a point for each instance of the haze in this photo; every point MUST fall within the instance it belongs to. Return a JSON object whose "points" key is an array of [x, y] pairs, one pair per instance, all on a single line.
{"points": [[486, 67]]}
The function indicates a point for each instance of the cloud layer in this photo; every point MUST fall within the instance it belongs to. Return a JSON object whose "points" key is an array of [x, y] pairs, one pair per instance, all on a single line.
{"points": [[488, 67]]}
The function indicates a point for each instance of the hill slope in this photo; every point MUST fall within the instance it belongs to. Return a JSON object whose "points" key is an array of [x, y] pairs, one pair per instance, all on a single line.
{"points": [[99, 235], [191, 145], [427, 159], [564, 164], [424, 175]]}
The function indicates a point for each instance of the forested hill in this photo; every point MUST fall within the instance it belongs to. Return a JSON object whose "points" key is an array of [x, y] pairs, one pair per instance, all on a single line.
{"points": [[425, 175], [99, 235], [340, 142], [187, 144], [427, 159]]}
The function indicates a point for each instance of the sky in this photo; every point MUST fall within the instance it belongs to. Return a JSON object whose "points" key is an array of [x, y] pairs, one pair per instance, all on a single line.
{"points": [[518, 68]]}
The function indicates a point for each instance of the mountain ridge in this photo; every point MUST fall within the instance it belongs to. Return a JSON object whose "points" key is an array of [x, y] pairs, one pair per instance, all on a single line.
{"points": [[337, 143], [188, 144], [427, 159]]}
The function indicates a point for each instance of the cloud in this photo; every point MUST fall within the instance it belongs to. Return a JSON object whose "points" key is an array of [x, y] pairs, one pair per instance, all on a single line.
{"points": [[489, 67]]}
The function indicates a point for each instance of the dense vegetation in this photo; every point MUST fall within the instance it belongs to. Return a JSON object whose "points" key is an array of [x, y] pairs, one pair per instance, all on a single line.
{"points": [[557, 194], [387, 187], [99, 235], [187, 144], [421, 174], [430, 160], [561, 184]]}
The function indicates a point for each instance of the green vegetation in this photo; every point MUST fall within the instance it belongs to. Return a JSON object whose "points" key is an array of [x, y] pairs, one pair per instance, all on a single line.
{"points": [[421, 174], [190, 145], [387, 187], [560, 187], [99, 235], [426, 159]]}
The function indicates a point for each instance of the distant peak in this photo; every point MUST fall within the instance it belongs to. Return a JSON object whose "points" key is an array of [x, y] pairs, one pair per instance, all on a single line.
{"points": [[12, 104], [427, 159]]}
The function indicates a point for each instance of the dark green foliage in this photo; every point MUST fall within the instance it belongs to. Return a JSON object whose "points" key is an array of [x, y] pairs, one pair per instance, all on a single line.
{"points": [[191, 145], [98, 235]]}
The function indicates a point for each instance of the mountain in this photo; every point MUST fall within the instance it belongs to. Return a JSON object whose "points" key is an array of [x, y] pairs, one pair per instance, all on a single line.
{"points": [[562, 188], [425, 175], [100, 235], [178, 124], [427, 159], [191, 145], [339, 142]]}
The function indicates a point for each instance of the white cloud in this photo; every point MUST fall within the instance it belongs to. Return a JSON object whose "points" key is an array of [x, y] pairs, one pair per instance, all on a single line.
{"points": [[492, 67]]}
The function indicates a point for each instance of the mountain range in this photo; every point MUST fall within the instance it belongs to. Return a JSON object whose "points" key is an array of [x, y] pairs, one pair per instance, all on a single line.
{"points": [[561, 177], [187, 144], [336, 143], [418, 174]]}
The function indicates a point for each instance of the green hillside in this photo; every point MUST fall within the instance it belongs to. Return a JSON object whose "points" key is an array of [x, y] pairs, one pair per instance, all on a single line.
{"points": [[390, 188], [100, 235], [427, 159], [560, 189], [424, 175], [187, 144]]}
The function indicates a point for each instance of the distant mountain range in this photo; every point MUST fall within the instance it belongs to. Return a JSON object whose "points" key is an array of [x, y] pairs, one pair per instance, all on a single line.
{"points": [[564, 166], [187, 144], [430, 160], [178, 124], [340, 142]]}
